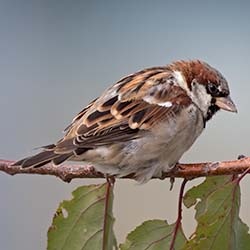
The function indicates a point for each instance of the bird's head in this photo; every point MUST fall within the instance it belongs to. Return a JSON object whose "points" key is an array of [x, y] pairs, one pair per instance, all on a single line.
{"points": [[205, 85]]}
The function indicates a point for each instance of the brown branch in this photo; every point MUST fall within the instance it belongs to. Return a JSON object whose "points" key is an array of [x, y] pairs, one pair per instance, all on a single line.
{"points": [[188, 171]]}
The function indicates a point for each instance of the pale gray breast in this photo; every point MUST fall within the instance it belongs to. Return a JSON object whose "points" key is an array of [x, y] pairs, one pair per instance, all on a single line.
{"points": [[158, 150], [167, 142]]}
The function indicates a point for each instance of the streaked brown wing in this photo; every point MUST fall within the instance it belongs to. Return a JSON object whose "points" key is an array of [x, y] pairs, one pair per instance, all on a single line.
{"points": [[125, 111]]}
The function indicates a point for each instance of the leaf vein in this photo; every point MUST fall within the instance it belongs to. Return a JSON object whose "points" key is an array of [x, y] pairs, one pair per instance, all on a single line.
{"points": [[77, 220], [91, 237]]}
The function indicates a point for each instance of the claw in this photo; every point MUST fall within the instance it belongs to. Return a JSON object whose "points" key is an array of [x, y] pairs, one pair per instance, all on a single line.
{"points": [[241, 157], [110, 179], [172, 180]]}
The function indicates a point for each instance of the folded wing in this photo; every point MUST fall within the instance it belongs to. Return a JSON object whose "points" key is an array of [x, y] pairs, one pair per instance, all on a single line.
{"points": [[124, 112]]}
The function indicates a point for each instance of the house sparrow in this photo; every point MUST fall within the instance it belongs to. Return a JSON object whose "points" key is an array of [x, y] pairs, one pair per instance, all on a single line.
{"points": [[144, 123]]}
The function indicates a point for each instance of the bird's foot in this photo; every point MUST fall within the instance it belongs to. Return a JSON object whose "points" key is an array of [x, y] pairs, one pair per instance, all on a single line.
{"points": [[171, 180], [241, 157], [110, 179]]}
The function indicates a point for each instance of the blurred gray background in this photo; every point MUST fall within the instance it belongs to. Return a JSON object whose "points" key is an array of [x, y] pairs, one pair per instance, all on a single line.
{"points": [[56, 56]]}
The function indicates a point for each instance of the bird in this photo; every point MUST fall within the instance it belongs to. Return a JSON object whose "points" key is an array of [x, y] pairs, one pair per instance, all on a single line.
{"points": [[144, 123]]}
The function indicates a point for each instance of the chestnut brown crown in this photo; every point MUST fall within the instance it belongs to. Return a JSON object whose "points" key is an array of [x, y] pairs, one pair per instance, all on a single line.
{"points": [[214, 82]]}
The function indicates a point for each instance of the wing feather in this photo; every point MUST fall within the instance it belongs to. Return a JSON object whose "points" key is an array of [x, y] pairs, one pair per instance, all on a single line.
{"points": [[126, 111]]}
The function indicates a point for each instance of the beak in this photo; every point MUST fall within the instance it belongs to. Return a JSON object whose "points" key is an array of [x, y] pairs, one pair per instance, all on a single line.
{"points": [[226, 103]]}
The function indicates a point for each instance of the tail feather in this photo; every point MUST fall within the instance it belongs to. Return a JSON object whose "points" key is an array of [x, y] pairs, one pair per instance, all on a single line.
{"points": [[41, 164], [61, 158], [38, 159], [42, 158]]}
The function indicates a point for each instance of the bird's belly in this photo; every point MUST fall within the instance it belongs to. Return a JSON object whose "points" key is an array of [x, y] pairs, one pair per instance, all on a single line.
{"points": [[168, 141], [159, 150]]}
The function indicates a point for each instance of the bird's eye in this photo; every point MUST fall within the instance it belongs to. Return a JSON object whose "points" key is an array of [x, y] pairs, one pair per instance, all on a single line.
{"points": [[212, 89]]}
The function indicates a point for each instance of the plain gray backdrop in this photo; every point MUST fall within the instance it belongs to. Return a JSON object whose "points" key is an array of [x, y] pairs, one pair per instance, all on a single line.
{"points": [[56, 56]]}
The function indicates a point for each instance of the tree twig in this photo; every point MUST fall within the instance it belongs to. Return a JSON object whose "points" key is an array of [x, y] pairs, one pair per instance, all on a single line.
{"points": [[179, 218], [109, 190], [69, 172]]}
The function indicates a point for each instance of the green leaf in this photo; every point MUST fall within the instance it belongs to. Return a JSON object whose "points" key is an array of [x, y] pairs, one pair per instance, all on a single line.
{"points": [[83, 223], [153, 235], [217, 203]]}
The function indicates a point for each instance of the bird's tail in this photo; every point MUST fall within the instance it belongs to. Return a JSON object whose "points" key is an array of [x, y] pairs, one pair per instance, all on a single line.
{"points": [[42, 158]]}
